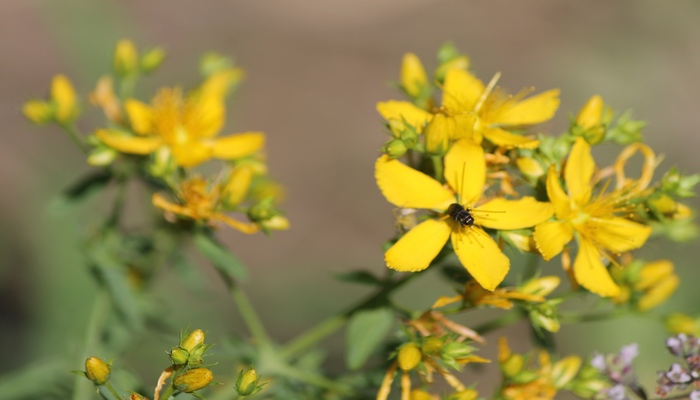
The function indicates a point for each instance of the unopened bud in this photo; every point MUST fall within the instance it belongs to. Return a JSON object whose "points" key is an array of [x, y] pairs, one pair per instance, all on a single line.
{"points": [[409, 357], [413, 76], [395, 148], [126, 58], [179, 356], [432, 345], [136, 396], [247, 383], [565, 370], [38, 111], [466, 394], [193, 340], [457, 350], [65, 99], [512, 366], [97, 371], [193, 380], [152, 60], [589, 388], [529, 167], [540, 286], [102, 156], [591, 113]]}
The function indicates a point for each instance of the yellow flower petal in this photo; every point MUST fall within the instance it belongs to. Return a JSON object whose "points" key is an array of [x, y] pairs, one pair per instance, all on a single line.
{"points": [[561, 202], [652, 273], [481, 256], [238, 145], [128, 144], [659, 293], [590, 272], [445, 300], [141, 116], [219, 83], [238, 184], [503, 138], [465, 170], [461, 91], [533, 110], [403, 186], [500, 213], [245, 227], [63, 94], [206, 116], [438, 134], [417, 248], [403, 110], [617, 234], [160, 202], [552, 236], [191, 154], [579, 170], [413, 77]]}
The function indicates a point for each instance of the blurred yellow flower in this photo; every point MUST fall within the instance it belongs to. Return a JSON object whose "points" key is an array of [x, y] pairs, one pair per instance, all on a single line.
{"points": [[407, 188], [186, 124], [62, 106], [595, 220], [475, 111], [200, 203]]}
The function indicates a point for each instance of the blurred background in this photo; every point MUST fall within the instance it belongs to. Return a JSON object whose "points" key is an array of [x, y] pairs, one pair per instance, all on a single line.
{"points": [[316, 69]]}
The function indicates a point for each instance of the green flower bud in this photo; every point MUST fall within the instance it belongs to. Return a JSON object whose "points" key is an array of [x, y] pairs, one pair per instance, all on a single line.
{"points": [[432, 345], [97, 371], [193, 380], [512, 366], [457, 350], [179, 356], [136, 396], [152, 60], [102, 156], [247, 383], [126, 58], [395, 148], [466, 394]]}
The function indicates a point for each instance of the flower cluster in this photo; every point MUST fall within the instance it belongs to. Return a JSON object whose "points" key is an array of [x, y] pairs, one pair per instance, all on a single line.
{"points": [[681, 375], [478, 178], [163, 139]]}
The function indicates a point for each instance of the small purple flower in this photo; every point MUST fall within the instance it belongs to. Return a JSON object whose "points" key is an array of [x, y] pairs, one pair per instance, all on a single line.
{"points": [[695, 395], [676, 343], [628, 353], [678, 375], [617, 392], [598, 362]]}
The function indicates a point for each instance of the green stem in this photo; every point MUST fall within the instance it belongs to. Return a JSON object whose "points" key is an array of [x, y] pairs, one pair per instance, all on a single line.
{"points": [[83, 387], [572, 318], [126, 87], [317, 380], [250, 317], [327, 327], [75, 136], [167, 393], [437, 168], [506, 319], [111, 390]]}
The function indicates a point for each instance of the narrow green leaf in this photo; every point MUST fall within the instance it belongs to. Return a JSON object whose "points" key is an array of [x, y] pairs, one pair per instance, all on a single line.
{"points": [[79, 190], [366, 331], [225, 261], [362, 277]]}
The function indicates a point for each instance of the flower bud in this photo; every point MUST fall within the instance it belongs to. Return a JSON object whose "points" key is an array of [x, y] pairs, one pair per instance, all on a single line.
{"points": [[409, 357], [102, 156], [152, 60], [193, 380], [395, 148], [193, 340], [540, 286], [512, 366], [529, 167], [179, 356], [126, 58], [136, 396], [564, 370], [466, 394], [97, 371], [38, 111], [663, 204], [589, 388], [65, 99], [247, 382], [591, 113], [544, 316], [237, 186], [276, 223], [659, 293], [413, 77], [432, 345], [456, 350], [653, 272], [460, 62]]}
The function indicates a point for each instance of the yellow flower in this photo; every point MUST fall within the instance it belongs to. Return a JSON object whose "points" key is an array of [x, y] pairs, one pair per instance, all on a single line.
{"points": [[476, 111], [187, 125], [658, 282], [593, 220], [465, 172], [200, 203]]}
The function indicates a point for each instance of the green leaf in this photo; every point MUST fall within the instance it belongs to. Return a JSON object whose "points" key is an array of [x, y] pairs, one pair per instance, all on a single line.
{"points": [[361, 277], [111, 272], [226, 262], [365, 333], [80, 190]]}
